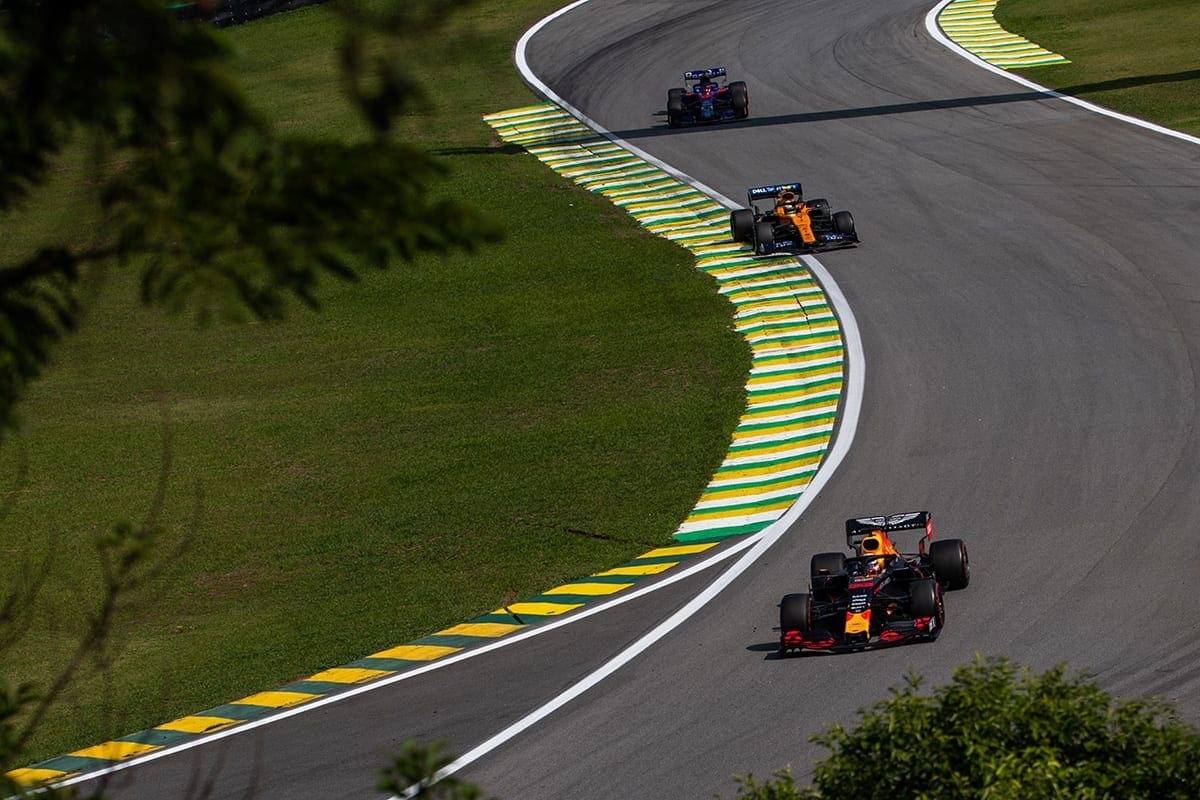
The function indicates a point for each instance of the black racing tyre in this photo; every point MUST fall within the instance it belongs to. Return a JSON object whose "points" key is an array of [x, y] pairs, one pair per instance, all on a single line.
{"points": [[950, 564], [924, 598], [795, 612], [843, 223], [827, 564], [764, 236], [739, 97], [741, 225], [820, 205], [674, 107]]}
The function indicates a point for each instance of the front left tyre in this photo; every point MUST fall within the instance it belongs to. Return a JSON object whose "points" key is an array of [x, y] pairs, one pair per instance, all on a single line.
{"points": [[795, 612], [764, 236], [923, 597], [843, 223]]}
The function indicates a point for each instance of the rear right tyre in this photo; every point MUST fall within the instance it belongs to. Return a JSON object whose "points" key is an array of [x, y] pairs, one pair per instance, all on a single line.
{"points": [[739, 97], [950, 564]]}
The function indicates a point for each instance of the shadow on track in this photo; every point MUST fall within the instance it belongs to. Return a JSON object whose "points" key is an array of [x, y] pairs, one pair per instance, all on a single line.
{"points": [[916, 106], [846, 113]]}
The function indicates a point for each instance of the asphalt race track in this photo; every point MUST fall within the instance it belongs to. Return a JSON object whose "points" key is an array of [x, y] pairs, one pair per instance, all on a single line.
{"points": [[1028, 296]]}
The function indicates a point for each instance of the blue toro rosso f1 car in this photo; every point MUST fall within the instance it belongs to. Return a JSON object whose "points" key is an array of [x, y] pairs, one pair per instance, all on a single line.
{"points": [[704, 99], [780, 220], [879, 596]]}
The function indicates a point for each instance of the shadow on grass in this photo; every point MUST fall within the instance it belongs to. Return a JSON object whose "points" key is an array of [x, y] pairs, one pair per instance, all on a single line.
{"points": [[488, 150], [1132, 82]]}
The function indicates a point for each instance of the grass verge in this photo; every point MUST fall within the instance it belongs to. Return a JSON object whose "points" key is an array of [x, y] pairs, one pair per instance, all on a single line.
{"points": [[1133, 56]]}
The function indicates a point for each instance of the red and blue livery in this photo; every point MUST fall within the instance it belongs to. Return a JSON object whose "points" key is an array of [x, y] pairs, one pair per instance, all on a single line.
{"points": [[706, 97], [879, 596]]}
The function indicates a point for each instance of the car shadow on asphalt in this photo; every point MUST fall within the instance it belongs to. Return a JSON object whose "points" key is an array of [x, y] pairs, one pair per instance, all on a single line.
{"points": [[835, 114], [909, 108], [772, 652]]}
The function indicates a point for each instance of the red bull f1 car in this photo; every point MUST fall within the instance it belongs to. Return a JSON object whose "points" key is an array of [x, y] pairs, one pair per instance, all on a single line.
{"points": [[880, 595], [705, 99], [779, 220]]}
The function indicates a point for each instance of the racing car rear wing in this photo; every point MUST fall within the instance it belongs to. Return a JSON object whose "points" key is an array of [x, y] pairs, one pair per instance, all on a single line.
{"points": [[859, 528], [701, 74], [763, 192]]}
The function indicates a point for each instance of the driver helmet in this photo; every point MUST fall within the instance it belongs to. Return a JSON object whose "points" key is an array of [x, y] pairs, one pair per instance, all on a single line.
{"points": [[876, 546], [788, 201]]}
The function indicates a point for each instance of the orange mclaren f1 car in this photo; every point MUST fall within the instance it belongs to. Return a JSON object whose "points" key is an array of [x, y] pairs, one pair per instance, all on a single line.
{"points": [[790, 224]]}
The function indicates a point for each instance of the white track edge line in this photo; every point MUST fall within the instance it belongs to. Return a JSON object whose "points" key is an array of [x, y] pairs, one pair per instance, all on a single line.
{"points": [[855, 366], [473, 652], [847, 427]]}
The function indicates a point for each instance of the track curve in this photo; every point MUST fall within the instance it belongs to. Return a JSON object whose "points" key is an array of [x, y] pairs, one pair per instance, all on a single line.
{"points": [[1026, 297], [1030, 313]]}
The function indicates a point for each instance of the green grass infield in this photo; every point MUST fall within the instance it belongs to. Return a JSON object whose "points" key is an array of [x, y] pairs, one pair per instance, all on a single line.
{"points": [[1133, 56]]}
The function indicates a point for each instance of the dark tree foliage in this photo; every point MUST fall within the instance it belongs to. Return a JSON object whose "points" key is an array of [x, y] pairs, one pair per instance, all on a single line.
{"points": [[217, 211], [416, 774], [999, 732]]}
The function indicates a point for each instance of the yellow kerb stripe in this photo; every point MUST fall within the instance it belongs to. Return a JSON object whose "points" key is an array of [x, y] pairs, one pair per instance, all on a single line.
{"points": [[541, 609], [640, 569], [679, 550], [275, 699], [32, 776], [589, 588], [490, 629], [717, 513], [349, 675], [417, 652], [197, 724], [116, 751]]}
